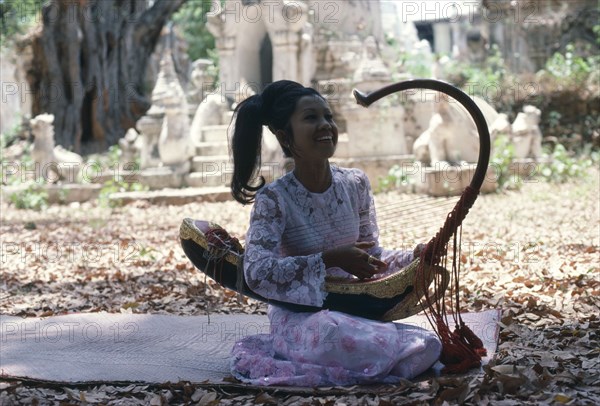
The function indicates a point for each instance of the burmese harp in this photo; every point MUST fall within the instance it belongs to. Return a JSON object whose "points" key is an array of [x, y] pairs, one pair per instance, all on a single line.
{"points": [[393, 297]]}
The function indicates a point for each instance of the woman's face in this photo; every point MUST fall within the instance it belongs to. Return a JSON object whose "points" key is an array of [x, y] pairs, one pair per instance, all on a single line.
{"points": [[315, 134]]}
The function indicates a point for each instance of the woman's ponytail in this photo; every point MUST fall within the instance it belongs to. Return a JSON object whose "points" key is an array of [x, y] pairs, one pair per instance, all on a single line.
{"points": [[246, 149], [273, 107]]}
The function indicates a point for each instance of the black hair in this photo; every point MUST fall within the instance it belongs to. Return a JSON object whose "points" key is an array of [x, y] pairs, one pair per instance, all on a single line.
{"points": [[273, 108]]}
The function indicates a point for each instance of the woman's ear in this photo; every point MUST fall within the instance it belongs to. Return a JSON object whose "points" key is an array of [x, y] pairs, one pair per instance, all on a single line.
{"points": [[280, 134]]}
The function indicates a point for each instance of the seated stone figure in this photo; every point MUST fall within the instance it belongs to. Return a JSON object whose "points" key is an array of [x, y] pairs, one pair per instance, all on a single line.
{"points": [[53, 163], [501, 126], [451, 137], [526, 135]]}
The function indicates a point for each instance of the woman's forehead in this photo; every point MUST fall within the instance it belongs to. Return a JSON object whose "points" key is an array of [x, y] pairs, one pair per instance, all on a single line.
{"points": [[311, 102]]}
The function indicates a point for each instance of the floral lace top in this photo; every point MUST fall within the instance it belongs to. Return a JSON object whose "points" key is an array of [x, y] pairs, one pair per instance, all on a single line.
{"points": [[290, 227]]}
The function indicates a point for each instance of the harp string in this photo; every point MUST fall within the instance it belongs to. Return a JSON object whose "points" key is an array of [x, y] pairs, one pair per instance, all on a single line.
{"points": [[422, 213]]}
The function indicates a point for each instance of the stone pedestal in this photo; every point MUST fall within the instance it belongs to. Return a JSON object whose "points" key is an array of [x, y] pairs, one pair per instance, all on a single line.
{"points": [[446, 180], [219, 174], [160, 178], [527, 168], [58, 194], [376, 131], [169, 197], [375, 168]]}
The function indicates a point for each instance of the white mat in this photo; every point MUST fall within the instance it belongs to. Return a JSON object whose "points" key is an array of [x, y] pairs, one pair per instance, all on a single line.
{"points": [[97, 347]]}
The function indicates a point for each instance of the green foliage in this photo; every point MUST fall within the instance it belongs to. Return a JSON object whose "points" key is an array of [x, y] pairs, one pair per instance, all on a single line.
{"points": [[8, 138], [553, 119], [416, 66], [191, 19], [413, 64], [493, 71], [17, 16], [148, 253], [111, 160], [25, 164], [114, 154], [572, 68], [32, 198], [213, 71], [118, 185], [503, 154], [563, 166], [478, 79], [558, 166], [569, 83], [395, 178], [123, 176]]}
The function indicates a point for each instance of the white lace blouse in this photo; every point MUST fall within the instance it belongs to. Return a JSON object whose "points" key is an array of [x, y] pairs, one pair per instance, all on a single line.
{"points": [[290, 227]]}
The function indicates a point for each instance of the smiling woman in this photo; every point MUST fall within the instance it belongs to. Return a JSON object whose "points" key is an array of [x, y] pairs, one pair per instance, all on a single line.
{"points": [[273, 108], [314, 135], [315, 222]]}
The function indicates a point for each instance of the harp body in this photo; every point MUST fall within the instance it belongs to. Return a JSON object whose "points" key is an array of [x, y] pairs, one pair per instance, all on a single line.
{"points": [[390, 298]]}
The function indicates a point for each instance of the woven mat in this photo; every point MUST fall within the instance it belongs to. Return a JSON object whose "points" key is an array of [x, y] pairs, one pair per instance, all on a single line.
{"points": [[105, 347]]}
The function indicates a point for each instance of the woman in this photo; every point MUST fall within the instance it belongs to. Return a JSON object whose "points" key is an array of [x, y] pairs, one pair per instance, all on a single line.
{"points": [[316, 221]]}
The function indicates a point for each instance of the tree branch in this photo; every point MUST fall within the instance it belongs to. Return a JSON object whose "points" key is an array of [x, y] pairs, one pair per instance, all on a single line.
{"points": [[153, 19]]}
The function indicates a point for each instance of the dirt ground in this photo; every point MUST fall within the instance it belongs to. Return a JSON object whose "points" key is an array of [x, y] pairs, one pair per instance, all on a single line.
{"points": [[533, 252]]}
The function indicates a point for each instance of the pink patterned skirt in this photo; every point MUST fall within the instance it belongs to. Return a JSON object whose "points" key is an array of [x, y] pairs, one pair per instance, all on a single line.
{"points": [[332, 348]]}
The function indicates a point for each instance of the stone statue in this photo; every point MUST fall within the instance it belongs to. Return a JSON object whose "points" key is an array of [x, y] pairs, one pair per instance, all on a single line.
{"points": [[149, 127], [526, 134], [371, 73], [423, 54], [209, 112], [451, 137], [174, 143], [307, 54], [53, 163], [500, 126], [130, 148], [201, 80], [242, 92]]}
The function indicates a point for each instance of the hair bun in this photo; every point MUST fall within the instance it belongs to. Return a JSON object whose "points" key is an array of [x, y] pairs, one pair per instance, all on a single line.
{"points": [[274, 91]]}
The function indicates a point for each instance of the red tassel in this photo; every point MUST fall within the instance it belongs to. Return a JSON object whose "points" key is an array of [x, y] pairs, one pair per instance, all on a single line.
{"points": [[220, 239], [461, 348], [474, 342], [218, 243], [457, 356]]}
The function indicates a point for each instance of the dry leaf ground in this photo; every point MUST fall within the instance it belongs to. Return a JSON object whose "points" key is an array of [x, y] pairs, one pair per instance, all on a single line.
{"points": [[533, 252]]}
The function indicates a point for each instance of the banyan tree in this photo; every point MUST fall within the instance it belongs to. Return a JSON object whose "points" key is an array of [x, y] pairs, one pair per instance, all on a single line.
{"points": [[87, 66]]}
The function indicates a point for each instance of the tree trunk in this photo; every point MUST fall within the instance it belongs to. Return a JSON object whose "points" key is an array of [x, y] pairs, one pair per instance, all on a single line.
{"points": [[88, 67]]}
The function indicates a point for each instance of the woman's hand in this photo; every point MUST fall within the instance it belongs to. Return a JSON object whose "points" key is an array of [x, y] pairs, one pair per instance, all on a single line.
{"points": [[418, 249], [354, 259]]}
